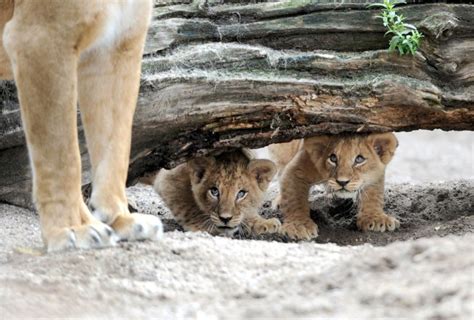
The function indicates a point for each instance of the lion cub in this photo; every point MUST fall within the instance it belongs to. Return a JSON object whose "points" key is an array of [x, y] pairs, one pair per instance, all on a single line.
{"points": [[350, 166], [220, 195]]}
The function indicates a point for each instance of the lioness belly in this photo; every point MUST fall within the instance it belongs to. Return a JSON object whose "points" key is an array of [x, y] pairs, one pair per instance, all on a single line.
{"points": [[120, 20]]}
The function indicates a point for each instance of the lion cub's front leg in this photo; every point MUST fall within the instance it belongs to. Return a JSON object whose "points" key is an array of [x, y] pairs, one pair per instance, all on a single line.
{"points": [[295, 183], [371, 216]]}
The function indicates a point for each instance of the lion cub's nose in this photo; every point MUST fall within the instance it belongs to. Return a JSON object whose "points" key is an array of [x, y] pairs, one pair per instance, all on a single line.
{"points": [[342, 183], [225, 219]]}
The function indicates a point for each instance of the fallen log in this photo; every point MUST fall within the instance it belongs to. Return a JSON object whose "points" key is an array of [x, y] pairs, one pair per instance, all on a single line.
{"points": [[225, 74]]}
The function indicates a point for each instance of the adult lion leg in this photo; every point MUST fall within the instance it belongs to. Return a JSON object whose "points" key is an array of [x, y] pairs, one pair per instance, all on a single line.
{"points": [[6, 13], [108, 89], [46, 82]]}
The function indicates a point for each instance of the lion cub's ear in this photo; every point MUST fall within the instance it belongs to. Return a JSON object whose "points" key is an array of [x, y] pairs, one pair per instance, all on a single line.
{"points": [[263, 170], [384, 145], [199, 167]]}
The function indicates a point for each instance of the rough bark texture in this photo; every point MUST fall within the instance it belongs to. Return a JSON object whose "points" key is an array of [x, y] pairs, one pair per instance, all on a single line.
{"points": [[228, 73]]}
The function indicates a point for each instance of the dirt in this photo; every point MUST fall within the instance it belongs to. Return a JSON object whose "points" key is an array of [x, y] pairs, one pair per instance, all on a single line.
{"points": [[425, 270], [433, 209]]}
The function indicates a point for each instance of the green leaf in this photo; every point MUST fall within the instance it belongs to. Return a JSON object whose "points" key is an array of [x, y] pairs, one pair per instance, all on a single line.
{"points": [[393, 43], [401, 51]]}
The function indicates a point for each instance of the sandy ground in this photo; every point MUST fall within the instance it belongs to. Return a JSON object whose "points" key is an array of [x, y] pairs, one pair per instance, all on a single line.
{"points": [[423, 271]]}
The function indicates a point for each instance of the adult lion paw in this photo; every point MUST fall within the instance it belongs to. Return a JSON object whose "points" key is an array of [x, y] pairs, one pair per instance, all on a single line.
{"points": [[88, 236], [377, 222], [271, 225], [300, 230], [138, 226]]}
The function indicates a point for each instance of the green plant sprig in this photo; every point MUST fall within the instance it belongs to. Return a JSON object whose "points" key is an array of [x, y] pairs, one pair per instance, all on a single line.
{"points": [[405, 37]]}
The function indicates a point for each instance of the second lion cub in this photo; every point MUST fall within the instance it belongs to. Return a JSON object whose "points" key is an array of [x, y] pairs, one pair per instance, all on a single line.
{"points": [[349, 166], [220, 194]]}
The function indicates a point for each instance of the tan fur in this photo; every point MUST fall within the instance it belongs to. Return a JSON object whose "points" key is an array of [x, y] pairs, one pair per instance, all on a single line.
{"points": [[282, 153], [186, 191], [86, 51], [6, 13], [311, 164]]}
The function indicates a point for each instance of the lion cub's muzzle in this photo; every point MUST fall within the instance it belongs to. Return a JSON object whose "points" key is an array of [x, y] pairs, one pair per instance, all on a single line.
{"points": [[343, 188], [226, 224]]}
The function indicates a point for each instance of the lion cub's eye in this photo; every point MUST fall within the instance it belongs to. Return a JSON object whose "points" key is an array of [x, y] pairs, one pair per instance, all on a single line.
{"points": [[241, 194], [333, 158], [359, 159], [214, 192]]}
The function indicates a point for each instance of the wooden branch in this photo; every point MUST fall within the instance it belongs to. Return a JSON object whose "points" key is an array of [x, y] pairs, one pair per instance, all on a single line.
{"points": [[222, 74]]}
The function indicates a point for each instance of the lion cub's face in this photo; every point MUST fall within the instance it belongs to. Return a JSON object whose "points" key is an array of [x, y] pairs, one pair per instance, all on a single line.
{"points": [[228, 186], [351, 163]]}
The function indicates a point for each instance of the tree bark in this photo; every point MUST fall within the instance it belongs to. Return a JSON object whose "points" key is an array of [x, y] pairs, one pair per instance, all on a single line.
{"points": [[220, 74]]}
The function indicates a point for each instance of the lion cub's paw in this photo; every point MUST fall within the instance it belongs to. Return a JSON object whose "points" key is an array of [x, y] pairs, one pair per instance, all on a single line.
{"points": [[88, 236], [300, 230], [377, 222], [138, 226], [271, 225]]}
